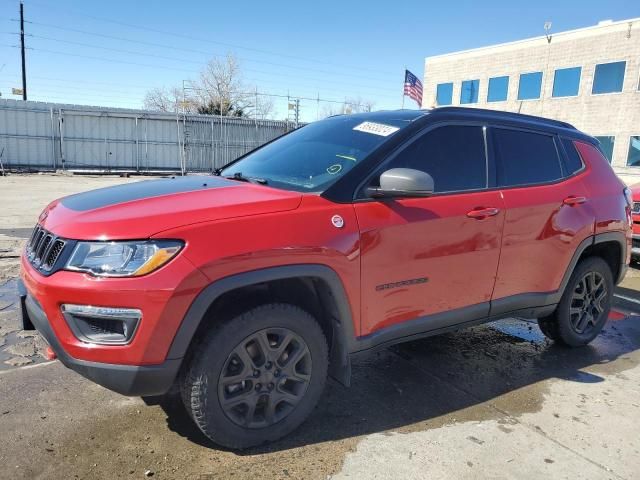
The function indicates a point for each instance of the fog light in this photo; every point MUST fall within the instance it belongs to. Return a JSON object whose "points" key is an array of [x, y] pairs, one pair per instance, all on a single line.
{"points": [[102, 325]]}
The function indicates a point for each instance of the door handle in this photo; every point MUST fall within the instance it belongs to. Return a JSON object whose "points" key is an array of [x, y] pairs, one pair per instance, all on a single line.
{"points": [[574, 200], [480, 213]]}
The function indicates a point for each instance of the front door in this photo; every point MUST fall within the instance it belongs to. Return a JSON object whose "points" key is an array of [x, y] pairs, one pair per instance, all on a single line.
{"points": [[430, 257]]}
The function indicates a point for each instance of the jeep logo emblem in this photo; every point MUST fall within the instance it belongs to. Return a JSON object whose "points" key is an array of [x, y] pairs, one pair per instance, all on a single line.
{"points": [[337, 221]]}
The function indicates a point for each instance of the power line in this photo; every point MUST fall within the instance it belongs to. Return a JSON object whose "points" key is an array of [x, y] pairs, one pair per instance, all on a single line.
{"points": [[160, 45], [200, 39], [167, 67]]}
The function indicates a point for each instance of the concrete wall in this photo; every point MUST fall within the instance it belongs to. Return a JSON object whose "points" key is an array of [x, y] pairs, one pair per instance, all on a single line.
{"points": [[615, 114]]}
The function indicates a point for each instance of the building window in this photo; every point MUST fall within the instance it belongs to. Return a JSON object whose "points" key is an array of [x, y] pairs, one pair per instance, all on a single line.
{"points": [[606, 145], [444, 94], [529, 86], [633, 158], [608, 77], [469, 91], [498, 89], [566, 82]]}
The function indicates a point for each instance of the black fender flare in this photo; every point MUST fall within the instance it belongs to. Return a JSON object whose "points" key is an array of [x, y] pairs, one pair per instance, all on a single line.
{"points": [[618, 237], [340, 311]]}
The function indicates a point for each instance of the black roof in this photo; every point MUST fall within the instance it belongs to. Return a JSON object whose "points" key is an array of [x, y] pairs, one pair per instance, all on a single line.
{"points": [[501, 115], [395, 117]]}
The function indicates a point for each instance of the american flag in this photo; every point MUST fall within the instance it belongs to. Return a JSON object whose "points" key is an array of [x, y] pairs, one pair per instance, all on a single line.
{"points": [[413, 87]]}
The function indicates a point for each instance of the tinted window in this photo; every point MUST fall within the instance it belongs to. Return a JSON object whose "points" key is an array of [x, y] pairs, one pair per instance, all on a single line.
{"points": [[454, 156], [606, 146], [529, 86], [498, 88], [633, 157], [469, 91], [566, 82], [609, 77], [444, 94], [525, 158], [573, 163]]}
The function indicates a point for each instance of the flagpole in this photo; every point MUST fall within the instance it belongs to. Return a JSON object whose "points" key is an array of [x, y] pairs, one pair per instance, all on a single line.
{"points": [[405, 77]]}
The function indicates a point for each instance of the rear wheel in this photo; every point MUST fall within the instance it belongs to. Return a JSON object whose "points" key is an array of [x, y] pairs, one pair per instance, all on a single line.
{"points": [[584, 307], [256, 377]]}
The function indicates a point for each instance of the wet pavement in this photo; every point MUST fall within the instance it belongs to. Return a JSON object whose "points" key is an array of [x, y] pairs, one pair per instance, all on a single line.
{"points": [[488, 401]]}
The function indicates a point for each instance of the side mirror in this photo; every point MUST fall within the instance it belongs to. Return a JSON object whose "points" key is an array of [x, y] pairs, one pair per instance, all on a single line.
{"points": [[403, 182]]}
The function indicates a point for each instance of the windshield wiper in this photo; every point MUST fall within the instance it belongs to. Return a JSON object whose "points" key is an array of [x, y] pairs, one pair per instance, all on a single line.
{"points": [[241, 178]]}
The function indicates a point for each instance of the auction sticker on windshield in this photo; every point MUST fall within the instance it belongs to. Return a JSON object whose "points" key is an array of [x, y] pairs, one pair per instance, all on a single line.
{"points": [[376, 128]]}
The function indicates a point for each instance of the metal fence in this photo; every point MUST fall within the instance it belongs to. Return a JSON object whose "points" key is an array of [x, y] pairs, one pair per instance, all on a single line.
{"points": [[48, 136]]}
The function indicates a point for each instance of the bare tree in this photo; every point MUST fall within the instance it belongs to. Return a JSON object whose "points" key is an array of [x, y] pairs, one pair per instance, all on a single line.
{"points": [[218, 91], [331, 109], [350, 105], [358, 105], [221, 91], [163, 100]]}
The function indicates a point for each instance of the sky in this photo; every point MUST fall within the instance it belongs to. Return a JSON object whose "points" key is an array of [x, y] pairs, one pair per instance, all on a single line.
{"points": [[110, 53]]}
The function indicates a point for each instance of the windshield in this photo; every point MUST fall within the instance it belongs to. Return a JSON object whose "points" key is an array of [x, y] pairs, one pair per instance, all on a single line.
{"points": [[313, 157]]}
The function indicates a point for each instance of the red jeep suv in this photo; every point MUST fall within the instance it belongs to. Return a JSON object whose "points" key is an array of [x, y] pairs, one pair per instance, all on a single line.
{"points": [[248, 287]]}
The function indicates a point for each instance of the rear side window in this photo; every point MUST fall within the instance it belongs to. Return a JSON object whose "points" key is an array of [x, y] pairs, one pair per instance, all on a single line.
{"points": [[525, 158], [453, 155], [573, 162]]}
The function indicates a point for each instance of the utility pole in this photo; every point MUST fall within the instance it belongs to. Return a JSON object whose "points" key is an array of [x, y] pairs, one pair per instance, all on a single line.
{"points": [[24, 68]]}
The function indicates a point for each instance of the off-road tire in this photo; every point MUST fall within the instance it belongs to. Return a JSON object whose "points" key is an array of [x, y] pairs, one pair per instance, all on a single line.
{"points": [[564, 324], [204, 389]]}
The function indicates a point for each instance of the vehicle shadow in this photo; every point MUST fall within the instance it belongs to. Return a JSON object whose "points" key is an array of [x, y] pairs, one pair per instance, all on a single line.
{"points": [[414, 384]]}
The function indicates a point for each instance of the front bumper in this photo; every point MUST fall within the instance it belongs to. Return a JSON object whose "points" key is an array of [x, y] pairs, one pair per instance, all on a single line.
{"points": [[132, 380]]}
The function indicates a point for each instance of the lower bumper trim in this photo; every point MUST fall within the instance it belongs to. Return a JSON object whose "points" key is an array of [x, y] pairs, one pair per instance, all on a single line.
{"points": [[131, 380]]}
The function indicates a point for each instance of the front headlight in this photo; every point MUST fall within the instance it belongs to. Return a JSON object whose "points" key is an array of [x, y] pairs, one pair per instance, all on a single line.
{"points": [[122, 259]]}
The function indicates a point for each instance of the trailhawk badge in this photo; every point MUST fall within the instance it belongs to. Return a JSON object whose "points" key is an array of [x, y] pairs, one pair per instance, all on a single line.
{"points": [[337, 221]]}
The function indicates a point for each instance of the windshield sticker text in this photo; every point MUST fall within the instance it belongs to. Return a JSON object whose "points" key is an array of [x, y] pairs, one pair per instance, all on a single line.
{"points": [[376, 128]]}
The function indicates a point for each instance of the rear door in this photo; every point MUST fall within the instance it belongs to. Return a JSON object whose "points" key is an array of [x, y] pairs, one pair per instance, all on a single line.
{"points": [[427, 256], [547, 213]]}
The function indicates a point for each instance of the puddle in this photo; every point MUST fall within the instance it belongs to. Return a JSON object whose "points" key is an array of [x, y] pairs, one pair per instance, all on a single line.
{"points": [[525, 330], [16, 346]]}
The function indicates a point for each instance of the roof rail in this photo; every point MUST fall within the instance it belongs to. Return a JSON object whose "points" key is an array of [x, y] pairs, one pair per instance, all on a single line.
{"points": [[506, 115]]}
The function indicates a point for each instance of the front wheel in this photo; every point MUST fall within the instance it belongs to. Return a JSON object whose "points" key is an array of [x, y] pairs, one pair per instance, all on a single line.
{"points": [[584, 307], [256, 377]]}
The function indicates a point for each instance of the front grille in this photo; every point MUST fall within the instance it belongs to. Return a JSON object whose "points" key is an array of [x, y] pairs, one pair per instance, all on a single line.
{"points": [[44, 249], [636, 207]]}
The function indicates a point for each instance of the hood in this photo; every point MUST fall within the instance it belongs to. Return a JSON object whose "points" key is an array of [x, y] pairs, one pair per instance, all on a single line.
{"points": [[141, 209]]}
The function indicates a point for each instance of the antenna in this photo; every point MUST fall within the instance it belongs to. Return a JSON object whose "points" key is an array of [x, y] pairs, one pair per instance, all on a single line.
{"points": [[547, 31]]}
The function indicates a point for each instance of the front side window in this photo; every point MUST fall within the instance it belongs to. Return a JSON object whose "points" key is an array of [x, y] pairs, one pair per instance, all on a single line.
{"points": [[525, 158], [444, 94], [529, 86], [609, 77], [315, 156], [566, 82], [498, 89], [606, 146], [454, 156], [469, 91], [633, 157]]}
